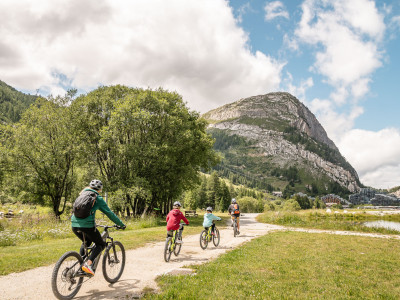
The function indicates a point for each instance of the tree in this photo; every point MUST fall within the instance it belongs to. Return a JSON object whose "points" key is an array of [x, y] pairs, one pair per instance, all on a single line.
{"points": [[43, 152], [134, 133]]}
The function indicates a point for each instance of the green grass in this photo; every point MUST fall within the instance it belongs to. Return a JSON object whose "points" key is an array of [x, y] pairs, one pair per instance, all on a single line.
{"points": [[293, 265], [47, 248], [319, 219]]}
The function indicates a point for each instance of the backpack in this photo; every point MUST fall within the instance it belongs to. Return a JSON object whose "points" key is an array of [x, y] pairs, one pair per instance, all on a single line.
{"points": [[83, 204], [235, 209]]}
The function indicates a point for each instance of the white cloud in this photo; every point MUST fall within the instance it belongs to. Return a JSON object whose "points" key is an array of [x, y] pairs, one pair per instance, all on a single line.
{"points": [[298, 91], [349, 33], [375, 155], [274, 10], [193, 47]]}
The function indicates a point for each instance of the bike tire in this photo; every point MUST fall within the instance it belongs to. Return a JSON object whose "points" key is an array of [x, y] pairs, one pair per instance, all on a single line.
{"points": [[177, 248], [203, 239], [167, 249], [216, 237], [114, 262], [234, 229], [65, 267]]}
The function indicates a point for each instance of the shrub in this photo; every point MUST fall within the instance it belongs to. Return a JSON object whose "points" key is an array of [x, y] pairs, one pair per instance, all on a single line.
{"points": [[250, 205], [269, 206], [291, 205]]}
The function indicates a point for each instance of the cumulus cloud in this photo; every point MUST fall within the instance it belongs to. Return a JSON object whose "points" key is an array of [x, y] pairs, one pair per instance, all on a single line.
{"points": [[193, 47], [349, 33], [274, 10], [375, 155]]}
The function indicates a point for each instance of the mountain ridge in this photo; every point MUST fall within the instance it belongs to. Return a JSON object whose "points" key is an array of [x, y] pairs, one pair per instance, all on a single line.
{"points": [[284, 133]]}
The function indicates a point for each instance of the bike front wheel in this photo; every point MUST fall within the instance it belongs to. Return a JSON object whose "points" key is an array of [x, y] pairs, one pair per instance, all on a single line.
{"points": [[64, 281], [114, 262], [203, 239], [167, 249], [216, 237]]}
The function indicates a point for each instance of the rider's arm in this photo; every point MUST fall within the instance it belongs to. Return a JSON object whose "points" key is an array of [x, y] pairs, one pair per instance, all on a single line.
{"points": [[103, 207], [184, 219]]}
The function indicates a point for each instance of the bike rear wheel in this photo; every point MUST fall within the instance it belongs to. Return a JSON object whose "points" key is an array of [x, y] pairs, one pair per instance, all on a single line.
{"points": [[203, 239], [64, 283], [235, 231], [216, 237], [114, 262], [167, 249]]}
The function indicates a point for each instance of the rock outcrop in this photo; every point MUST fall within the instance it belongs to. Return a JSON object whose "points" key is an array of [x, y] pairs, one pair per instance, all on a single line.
{"points": [[266, 119]]}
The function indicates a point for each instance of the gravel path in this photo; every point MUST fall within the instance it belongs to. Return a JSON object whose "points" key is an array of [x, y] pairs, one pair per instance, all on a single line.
{"points": [[144, 264]]}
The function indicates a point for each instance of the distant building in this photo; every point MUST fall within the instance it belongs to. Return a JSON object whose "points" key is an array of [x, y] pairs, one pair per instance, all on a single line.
{"points": [[363, 197], [331, 199], [385, 200], [277, 193], [370, 196]]}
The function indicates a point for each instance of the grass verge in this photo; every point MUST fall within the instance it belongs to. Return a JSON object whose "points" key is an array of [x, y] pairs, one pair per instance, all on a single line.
{"points": [[295, 265], [319, 219], [35, 253]]}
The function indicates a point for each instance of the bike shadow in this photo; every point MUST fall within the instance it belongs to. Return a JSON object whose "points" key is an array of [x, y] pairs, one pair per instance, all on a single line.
{"points": [[122, 289], [184, 258]]}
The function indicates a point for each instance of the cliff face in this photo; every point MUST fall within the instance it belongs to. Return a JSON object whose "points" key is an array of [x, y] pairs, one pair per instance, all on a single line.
{"points": [[281, 128]]}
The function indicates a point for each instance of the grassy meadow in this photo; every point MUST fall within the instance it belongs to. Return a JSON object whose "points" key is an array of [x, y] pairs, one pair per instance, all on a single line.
{"points": [[295, 265], [320, 219]]}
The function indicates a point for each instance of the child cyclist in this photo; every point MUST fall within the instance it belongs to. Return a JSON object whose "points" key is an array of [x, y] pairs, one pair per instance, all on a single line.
{"points": [[209, 218], [174, 218]]}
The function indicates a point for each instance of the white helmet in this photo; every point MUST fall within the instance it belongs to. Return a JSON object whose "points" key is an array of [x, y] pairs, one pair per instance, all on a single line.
{"points": [[177, 203], [233, 200], [96, 184]]}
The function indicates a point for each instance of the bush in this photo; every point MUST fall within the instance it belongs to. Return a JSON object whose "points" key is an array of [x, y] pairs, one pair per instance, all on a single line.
{"points": [[250, 205], [291, 205], [269, 206]]}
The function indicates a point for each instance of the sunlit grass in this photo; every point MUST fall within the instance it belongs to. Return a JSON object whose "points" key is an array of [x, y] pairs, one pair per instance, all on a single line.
{"points": [[320, 219], [293, 265]]}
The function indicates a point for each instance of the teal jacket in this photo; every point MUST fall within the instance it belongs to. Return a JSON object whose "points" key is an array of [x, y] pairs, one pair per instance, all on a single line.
{"points": [[100, 204], [208, 219]]}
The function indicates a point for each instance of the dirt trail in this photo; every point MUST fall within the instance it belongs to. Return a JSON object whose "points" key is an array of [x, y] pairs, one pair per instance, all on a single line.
{"points": [[144, 264]]}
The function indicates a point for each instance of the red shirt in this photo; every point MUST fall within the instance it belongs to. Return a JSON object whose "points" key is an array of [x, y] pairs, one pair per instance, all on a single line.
{"points": [[174, 217]]}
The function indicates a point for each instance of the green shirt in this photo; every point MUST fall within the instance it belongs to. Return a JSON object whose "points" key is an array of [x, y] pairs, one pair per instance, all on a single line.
{"points": [[89, 222]]}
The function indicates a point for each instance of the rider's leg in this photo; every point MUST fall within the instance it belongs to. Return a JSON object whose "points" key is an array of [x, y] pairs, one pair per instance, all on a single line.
{"points": [[213, 228], [238, 223], [79, 233], [94, 235]]}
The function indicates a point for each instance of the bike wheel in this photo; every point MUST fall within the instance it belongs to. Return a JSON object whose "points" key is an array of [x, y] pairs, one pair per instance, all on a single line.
{"points": [[203, 239], [167, 249], [177, 248], [114, 262], [235, 229], [216, 237], [63, 281]]}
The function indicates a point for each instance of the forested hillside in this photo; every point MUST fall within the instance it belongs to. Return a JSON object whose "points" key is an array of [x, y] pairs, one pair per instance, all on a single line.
{"points": [[13, 103]]}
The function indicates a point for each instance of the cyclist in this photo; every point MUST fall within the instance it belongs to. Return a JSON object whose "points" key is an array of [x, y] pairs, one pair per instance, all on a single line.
{"points": [[234, 211], [209, 217], [174, 218], [87, 225]]}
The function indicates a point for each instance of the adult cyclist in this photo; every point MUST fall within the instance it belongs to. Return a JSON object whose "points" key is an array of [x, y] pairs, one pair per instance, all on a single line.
{"points": [[234, 211], [87, 225]]}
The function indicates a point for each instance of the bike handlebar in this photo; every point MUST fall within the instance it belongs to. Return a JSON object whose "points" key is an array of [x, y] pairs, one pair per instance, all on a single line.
{"points": [[107, 226]]}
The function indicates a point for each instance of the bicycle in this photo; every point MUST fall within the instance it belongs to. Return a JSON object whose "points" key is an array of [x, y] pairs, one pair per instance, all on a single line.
{"points": [[206, 236], [235, 227], [171, 246], [67, 277]]}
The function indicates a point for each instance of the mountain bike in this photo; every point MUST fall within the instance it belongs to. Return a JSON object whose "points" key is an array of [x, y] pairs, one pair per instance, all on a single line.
{"points": [[207, 235], [235, 227], [170, 244], [68, 276]]}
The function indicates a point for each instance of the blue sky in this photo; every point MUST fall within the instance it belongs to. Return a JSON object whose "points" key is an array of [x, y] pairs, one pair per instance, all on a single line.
{"points": [[337, 56]]}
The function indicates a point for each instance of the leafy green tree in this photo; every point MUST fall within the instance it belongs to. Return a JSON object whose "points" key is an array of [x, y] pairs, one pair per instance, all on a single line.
{"points": [[250, 205], [43, 152], [133, 133]]}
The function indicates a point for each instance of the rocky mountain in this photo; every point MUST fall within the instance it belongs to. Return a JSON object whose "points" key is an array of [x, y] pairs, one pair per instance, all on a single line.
{"points": [[276, 140]]}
